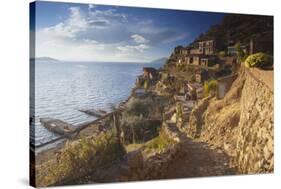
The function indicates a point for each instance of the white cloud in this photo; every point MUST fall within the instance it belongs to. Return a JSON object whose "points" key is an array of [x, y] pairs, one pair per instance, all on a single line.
{"points": [[76, 23], [157, 34], [89, 41], [133, 48], [91, 6], [139, 39], [109, 15], [99, 35]]}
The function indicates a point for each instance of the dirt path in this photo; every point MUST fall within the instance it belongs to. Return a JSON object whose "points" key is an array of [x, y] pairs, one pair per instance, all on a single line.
{"points": [[198, 159]]}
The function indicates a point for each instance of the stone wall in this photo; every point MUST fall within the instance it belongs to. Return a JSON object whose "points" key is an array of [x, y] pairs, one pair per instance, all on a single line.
{"points": [[241, 123], [139, 167], [255, 138], [196, 118]]}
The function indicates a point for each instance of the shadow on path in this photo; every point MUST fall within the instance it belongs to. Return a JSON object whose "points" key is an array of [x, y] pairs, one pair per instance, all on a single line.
{"points": [[196, 159]]}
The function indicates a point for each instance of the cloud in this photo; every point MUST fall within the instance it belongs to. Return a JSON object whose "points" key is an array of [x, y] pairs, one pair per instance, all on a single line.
{"points": [[157, 34], [95, 34], [90, 7], [139, 39], [76, 23], [110, 15], [133, 48]]}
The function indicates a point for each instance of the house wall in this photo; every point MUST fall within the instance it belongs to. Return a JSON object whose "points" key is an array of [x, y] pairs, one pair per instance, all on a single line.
{"points": [[198, 78], [207, 47], [224, 85], [195, 51], [196, 60]]}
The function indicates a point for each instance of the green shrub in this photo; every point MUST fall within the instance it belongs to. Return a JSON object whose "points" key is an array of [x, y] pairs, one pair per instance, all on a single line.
{"points": [[138, 129], [138, 121], [137, 107], [241, 55], [210, 86], [180, 66], [79, 159], [160, 143], [260, 60], [178, 111], [222, 53], [146, 84]]}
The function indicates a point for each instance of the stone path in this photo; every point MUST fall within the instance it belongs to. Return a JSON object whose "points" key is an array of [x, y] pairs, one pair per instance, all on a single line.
{"points": [[197, 159]]}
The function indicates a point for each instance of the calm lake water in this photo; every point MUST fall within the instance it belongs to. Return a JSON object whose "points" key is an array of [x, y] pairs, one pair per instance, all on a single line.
{"points": [[61, 88]]}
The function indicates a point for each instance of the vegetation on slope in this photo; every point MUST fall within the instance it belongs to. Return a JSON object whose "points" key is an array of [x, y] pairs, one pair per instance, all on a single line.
{"points": [[81, 158], [235, 27]]}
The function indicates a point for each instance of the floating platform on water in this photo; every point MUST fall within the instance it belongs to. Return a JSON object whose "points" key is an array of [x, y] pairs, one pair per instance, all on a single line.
{"points": [[94, 112], [57, 126]]}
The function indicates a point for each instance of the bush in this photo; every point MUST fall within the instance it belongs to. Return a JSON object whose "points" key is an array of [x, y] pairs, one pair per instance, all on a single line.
{"points": [[210, 87], [260, 60], [222, 53], [137, 129], [160, 143], [146, 84], [79, 159], [137, 107], [241, 55], [178, 111], [138, 121]]}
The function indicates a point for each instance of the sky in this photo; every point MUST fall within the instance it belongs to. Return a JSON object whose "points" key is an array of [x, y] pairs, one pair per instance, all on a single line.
{"points": [[88, 32]]}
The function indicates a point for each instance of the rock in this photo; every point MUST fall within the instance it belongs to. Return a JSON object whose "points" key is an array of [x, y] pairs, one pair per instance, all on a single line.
{"points": [[135, 159], [174, 118], [266, 152]]}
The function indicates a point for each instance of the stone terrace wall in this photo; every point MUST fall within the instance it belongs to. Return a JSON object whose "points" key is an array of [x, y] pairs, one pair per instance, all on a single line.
{"points": [[255, 138], [241, 123]]}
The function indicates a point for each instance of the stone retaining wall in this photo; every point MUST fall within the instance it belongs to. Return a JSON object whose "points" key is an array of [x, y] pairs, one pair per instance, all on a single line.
{"points": [[255, 138]]}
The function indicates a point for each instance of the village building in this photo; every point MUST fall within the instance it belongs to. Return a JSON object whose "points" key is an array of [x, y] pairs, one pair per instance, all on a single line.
{"points": [[193, 59], [207, 47], [201, 60], [229, 62], [201, 75], [194, 91], [184, 51], [232, 50], [150, 73], [178, 49], [208, 61], [194, 51]]}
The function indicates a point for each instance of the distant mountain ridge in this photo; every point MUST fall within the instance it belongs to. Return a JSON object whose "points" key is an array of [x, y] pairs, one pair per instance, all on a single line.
{"points": [[46, 59], [235, 27], [157, 63]]}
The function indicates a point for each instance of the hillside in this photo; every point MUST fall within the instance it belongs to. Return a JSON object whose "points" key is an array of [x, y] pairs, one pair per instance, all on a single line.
{"points": [[157, 63], [236, 27], [241, 123]]}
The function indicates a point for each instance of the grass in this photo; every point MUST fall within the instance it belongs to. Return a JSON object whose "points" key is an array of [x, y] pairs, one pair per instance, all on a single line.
{"points": [[159, 143], [133, 147], [80, 158]]}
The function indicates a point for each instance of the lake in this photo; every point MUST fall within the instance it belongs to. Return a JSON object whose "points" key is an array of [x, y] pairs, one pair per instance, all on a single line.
{"points": [[62, 88]]}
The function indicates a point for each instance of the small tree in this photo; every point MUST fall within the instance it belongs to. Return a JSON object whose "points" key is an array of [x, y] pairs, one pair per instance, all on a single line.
{"points": [[240, 53], [146, 84], [178, 111], [210, 87]]}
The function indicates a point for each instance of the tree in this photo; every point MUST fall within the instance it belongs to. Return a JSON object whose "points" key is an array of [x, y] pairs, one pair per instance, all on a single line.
{"points": [[240, 53]]}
